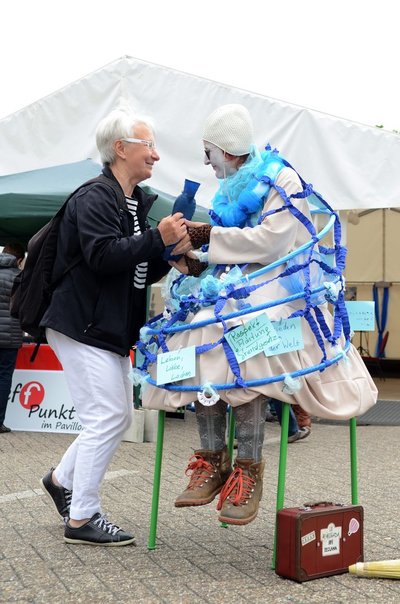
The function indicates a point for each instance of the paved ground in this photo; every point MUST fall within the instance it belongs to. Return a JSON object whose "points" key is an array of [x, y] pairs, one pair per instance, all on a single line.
{"points": [[196, 561]]}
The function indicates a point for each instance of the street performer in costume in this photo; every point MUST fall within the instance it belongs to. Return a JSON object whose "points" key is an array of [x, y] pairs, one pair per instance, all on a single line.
{"points": [[259, 215]]}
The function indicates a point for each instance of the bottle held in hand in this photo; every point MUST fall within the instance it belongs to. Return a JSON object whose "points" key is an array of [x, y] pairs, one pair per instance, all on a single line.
{"points": [[185, 203]]}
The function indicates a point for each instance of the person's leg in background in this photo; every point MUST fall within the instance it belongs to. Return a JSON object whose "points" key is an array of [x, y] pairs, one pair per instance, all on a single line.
{"points": [[8, 358], [303, 418], [270, 415], [296, 431], [293, 426]]}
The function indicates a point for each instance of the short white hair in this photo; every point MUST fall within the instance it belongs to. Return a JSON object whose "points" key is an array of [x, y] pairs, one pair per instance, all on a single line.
{"points": [[120, 123]]}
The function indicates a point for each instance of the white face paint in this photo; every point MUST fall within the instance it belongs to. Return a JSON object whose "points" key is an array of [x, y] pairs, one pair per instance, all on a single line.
{"points": [[215, 157]]}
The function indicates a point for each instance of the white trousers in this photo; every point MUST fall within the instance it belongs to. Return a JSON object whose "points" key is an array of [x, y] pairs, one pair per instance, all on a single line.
{"points": [[102, 394]]}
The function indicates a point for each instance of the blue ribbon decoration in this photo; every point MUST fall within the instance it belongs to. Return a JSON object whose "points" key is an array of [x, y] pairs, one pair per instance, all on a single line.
{"points": [[241, 290]]}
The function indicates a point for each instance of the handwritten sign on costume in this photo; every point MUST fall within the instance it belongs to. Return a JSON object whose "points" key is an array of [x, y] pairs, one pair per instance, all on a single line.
{"points": [[361, 315], [252, 338], [176, 365], [291, 336]]}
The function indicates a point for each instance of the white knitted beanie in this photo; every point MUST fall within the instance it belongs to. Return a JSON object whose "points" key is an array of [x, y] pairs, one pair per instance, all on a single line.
{"points": [[230, 128]]}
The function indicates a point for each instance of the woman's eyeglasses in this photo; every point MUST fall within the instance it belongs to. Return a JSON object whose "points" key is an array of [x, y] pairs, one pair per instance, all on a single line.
{"points": [[150, 144], [207, 153]]}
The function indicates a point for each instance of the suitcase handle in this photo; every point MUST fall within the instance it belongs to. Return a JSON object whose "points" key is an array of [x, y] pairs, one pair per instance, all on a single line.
{"points": [[310, 505]]}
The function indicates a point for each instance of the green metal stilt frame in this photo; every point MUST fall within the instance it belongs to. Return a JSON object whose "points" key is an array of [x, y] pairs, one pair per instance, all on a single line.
{"points": [[353, 461], [280, 497], [157, 472], [231, 432], [156, 484]]}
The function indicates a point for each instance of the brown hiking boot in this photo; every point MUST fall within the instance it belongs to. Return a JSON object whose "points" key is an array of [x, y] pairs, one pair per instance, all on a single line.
{"points": [[208, 471], [239, 499]]}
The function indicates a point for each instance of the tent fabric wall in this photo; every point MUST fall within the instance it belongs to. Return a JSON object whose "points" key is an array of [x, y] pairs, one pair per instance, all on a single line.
{"points": [[392, 246], [369, 338], [373, 247], [365, 240], [346, 161], [373, 257]]}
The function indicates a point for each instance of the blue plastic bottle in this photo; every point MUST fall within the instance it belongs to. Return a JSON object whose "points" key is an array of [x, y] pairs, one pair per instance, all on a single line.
{"points": [[185, 203]]}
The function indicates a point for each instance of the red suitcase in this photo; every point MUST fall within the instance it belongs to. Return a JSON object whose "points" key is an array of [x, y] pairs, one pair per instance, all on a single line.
{"points": [[318, 540]]}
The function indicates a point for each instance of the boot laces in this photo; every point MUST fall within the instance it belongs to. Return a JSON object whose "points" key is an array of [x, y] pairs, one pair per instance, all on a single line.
{"points": [[237, 489], [68, 497], [199, 471], [66, 502], [105, 525]]}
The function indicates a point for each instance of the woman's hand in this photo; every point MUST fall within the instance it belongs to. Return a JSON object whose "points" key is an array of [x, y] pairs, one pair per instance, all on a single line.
{"points": [[172, 229], [190, 223], [198, 234], [183, 246], [180, 265]]}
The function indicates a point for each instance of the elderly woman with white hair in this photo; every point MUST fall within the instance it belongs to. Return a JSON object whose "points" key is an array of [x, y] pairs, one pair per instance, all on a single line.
{"points": [[106, 257], [259, 214]]}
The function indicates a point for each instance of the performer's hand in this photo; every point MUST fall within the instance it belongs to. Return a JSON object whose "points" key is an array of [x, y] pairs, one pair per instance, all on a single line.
{"points": [[189, 265]]}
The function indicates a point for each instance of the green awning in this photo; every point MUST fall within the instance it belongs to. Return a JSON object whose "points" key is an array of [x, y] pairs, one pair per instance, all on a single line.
{"points": [[29, 199]]}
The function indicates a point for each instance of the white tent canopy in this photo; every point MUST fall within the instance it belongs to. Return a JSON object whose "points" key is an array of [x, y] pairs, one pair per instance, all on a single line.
{"points": [[352, 165]]}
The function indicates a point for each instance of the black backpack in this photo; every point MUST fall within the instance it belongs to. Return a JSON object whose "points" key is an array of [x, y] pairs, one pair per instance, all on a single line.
{"points": [[33, 287]]}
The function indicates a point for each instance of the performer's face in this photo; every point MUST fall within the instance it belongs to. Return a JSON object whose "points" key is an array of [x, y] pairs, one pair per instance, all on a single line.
{"points": [[222, 163]]}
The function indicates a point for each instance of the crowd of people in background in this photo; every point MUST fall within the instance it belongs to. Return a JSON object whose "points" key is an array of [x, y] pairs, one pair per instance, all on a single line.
{"points": [[11, 262]]}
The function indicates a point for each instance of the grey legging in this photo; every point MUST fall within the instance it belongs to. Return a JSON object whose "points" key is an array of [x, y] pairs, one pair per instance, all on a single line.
{"points": [[250, 425]]}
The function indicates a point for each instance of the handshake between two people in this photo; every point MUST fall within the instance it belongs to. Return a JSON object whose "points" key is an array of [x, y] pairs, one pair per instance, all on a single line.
{"points": [[184, 235]]}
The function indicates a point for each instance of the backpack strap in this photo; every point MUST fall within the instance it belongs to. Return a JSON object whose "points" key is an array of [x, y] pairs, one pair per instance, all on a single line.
{"points": [[121, 202], [114, 186], [103, 180]]}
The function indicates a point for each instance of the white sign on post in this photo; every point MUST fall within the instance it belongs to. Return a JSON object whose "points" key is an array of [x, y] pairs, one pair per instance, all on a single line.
{"points": [[40, 402]]}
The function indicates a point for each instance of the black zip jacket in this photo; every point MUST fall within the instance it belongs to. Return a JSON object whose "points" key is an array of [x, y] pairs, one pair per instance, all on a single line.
{"points": [[10, 330], [95, 302]]}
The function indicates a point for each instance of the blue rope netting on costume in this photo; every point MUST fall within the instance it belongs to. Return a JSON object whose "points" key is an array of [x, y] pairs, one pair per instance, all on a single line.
{"points": [[312, 272]]}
